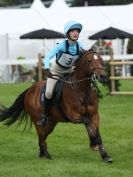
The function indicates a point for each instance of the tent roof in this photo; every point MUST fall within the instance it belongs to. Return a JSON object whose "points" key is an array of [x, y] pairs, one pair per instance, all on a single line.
{"points": [[58, 3], [119, 16], [38, 5], [20, 20], [94, 18], [91, 18]]}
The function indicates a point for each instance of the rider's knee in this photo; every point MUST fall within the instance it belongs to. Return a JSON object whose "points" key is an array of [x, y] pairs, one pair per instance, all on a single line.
{"points": [[48, 95]]}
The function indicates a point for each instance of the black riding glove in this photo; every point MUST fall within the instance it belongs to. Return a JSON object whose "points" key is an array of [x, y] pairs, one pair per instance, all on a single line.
{"points": [[48, 73]]}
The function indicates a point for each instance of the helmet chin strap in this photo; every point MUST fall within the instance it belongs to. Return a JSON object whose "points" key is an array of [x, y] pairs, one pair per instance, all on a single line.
{"points": [[72, 40]]}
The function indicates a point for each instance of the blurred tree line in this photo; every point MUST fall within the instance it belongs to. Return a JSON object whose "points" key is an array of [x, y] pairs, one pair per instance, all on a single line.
{"points": [[13, 2], [73, 2], [100, 2]]}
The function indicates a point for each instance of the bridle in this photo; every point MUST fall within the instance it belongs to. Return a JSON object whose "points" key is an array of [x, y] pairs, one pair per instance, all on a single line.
{"points": [[91, 78]]}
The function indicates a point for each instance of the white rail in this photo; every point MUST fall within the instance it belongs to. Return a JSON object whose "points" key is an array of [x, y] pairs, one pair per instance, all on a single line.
{"points": [[19, 62], [12, 61], [118, 57]]}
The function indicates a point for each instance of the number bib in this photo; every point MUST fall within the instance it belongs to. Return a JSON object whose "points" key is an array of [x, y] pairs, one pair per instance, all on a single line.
{"points": [[66, 60]]}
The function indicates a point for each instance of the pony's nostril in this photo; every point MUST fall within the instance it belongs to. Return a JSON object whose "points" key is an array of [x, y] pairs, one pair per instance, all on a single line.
{"points": [[103, 78]]}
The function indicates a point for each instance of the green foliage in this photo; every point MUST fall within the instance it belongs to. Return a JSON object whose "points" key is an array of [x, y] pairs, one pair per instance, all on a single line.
{"points": [[89, 2], [117, 2], [130, 46], [100, 2], [73, 2], [68, 144], [13, 2]]}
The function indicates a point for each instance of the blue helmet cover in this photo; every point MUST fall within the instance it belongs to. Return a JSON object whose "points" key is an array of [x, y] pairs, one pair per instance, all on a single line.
{"points": [[72, 25]]}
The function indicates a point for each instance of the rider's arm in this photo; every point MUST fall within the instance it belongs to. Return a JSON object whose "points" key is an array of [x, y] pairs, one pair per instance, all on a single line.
{"points": [[52, 53]]}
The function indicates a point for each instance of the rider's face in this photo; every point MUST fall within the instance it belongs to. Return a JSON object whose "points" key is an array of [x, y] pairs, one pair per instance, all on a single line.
{"points": [[74, 34]]}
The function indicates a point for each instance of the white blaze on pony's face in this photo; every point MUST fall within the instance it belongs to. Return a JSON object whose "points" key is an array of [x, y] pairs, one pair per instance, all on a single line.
{"points": [[99, 68], [99, 60], [96, 57]]}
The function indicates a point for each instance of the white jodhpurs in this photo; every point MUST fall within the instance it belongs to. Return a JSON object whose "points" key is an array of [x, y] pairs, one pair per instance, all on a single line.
{"points": [[57, 70]]}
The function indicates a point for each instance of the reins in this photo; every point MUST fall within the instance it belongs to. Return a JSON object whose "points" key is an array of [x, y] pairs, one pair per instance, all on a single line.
{"points": [[92, 78]]}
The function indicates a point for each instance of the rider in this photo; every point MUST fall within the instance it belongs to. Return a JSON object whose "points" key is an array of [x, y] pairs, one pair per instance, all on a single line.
{"points": [[67, 52]]}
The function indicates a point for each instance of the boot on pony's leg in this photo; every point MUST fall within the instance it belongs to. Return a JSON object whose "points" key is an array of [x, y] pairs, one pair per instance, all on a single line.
{"points": [[44, 117]]}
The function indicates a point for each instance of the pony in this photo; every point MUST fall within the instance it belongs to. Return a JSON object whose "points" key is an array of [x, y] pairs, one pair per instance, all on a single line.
{"points": [[79, 106]]}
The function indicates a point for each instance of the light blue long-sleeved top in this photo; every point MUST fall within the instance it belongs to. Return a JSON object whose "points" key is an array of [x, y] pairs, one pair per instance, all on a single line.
{"points": [[59, 49]]}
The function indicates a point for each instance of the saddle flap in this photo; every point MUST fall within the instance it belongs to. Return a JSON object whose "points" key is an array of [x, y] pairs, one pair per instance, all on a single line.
{"points": [[56, 95]]}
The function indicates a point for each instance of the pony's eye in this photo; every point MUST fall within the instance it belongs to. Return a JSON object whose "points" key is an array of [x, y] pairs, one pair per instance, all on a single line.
{"points": [[88, 61], [103, 64]]}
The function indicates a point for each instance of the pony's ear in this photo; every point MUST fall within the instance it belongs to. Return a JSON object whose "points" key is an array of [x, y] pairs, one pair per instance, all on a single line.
{"points": [[92, 49], [83, 51]]}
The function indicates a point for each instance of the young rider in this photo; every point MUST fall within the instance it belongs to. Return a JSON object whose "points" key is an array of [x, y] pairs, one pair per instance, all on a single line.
{"points": [[67, 52]]}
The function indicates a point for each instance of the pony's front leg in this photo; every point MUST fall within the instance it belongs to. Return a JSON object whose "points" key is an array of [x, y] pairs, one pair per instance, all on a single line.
{"points": [[95, 138], [43, 132]]}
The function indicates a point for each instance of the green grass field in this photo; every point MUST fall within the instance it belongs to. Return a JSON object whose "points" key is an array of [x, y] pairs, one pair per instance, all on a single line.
{"points": [[68, 144]]}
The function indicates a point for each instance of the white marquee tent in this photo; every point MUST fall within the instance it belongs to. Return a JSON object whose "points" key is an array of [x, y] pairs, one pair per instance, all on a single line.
{"points": [[93, 18], [58, 3], [15, 22]]}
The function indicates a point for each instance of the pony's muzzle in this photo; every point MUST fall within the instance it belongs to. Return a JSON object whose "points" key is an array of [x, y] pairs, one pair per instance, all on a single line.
{"points": [[102, 78]]}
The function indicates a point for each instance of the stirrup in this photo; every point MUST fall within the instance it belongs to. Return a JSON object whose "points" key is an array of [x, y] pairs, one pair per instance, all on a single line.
{"points": [[43, 121]]}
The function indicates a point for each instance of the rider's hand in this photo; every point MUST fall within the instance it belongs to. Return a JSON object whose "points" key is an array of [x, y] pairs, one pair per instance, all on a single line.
{"points": [[48, 73]]}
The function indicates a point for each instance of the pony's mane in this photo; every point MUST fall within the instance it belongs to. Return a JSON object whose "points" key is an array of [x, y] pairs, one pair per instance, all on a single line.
{"points": [[85, 52], [91, 50]]}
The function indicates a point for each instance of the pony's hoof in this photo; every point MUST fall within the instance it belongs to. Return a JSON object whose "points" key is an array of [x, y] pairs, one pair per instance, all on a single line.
{"points": [[47, 156], [108, 159]]}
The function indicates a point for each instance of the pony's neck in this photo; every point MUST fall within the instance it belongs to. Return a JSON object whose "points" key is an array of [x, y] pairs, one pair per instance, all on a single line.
{"points": [[84, 83]]}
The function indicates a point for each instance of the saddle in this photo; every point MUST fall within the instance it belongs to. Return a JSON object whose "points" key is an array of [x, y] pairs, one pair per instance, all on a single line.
{"points": [[56, 95], [55, 99]]}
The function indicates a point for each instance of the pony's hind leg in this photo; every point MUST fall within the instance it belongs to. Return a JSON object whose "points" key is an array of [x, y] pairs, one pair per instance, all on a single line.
{"points": [[43, 132]]}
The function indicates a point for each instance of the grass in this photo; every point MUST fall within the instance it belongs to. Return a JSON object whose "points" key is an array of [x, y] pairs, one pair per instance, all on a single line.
{"points": [[126, 85], [68, 144]]}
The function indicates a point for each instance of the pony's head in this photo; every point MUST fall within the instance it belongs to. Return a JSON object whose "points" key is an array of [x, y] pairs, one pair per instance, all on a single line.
{"points": [[92, 65]]}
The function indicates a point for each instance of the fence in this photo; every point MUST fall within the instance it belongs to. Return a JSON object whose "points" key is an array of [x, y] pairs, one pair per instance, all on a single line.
{"points": [[14, 63], [113, 62], [113, 77]]}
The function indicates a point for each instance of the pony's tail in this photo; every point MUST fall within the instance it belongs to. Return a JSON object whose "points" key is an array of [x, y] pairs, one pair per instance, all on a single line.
{"points": [[15, 111]]}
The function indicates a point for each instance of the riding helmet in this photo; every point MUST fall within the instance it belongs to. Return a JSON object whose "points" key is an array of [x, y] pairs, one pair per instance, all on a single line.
{"points": [[72, 25]]}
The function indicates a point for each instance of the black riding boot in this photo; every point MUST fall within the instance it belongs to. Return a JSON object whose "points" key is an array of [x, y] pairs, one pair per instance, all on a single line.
{"points": [[44, 117]]}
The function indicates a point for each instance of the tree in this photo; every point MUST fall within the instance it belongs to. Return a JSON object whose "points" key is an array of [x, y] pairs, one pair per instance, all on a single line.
{"points": [[100, 2], [73, 2], [117, 2], [87, 2], [13, 2], [130, 51]]}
